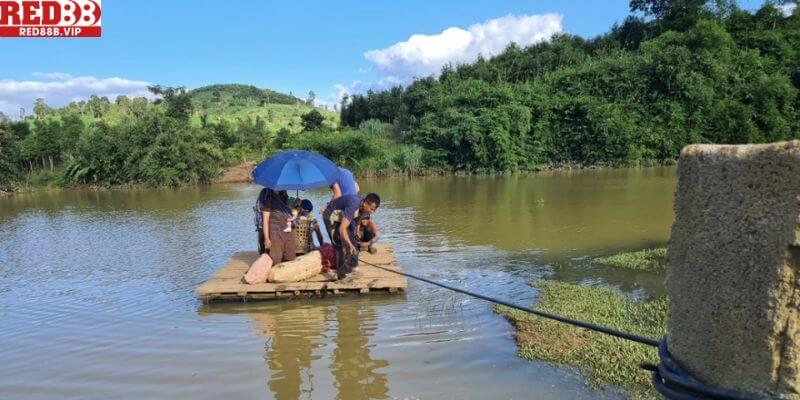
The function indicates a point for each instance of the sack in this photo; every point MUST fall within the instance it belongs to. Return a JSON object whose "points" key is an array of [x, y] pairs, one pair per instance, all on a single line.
{"points": [[299, 269], [328, 257], [259, 270]]}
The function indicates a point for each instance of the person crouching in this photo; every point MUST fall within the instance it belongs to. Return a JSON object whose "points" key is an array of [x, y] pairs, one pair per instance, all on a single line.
{"points": [[344, 213]]}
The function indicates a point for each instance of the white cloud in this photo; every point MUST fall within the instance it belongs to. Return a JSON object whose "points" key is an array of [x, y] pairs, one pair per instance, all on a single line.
{"points": [[55, 76], [787, 8], [423, 55], [335, 97], [58, 89]]}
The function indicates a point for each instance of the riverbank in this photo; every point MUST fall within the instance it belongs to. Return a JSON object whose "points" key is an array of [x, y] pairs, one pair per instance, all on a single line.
{"points": [[240, 173]]}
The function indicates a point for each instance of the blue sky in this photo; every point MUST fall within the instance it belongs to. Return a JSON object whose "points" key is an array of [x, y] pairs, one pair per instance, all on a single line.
{"points": [[286, 46]]}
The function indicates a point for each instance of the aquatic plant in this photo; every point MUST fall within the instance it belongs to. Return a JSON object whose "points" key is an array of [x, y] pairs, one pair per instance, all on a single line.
{"points": [[602, 359], [643, 260]]}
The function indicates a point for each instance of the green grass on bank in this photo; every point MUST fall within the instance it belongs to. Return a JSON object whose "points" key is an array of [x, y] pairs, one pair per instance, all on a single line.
{"points": [[654, 260], [602, 359]]}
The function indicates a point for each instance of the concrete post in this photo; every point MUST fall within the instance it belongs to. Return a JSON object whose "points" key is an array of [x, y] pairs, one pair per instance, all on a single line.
{"points": [[734, 254]]}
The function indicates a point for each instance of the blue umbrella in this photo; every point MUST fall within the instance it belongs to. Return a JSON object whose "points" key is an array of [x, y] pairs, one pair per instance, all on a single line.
{"points": [[296, 170]]}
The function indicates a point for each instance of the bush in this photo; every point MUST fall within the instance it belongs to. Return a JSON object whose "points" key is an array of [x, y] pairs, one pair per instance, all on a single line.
{"points": [[9, 161], [408, 158], [353, 149]]}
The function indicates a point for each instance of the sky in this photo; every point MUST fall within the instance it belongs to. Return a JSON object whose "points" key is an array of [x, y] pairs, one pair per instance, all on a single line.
{"points": [[328, 47]]}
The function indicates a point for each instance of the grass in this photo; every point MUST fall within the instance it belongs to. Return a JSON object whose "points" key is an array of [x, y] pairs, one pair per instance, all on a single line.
{"points": [[602, 359], [275, 116], [643, 260]]}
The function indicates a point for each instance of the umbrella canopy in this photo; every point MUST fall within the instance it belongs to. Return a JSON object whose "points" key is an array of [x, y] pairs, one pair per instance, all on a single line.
{"points": [[296, 170]]}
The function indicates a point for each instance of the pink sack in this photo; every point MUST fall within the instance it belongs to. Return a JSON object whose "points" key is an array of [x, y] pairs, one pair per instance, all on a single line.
{"points": [[259, 270]]}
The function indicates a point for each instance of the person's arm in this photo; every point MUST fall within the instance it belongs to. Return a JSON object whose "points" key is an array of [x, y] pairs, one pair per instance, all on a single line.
{"points": [[337, 191], [358, 188], [344, 236], [375, 231], [265, 228]]}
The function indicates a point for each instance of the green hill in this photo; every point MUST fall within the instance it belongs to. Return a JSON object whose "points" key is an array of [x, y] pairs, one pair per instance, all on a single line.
{"points": [[235, 101], [222, 96]]}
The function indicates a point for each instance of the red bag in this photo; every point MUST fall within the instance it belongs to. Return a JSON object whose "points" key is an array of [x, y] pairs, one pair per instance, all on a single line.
{"points": [[328, 257]]}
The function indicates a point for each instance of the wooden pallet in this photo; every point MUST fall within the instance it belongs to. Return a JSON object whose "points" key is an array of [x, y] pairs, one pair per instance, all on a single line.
{"points": [[227, 284]]}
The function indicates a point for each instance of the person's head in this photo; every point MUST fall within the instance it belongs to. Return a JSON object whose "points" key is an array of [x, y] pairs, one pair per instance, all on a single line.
{"points": [[306, 206], [370, 203], [365, 221], [283, 195]]}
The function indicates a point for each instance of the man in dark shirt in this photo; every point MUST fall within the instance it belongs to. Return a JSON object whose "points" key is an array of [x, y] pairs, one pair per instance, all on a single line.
{"points": [[344, 213], [274, 216]]}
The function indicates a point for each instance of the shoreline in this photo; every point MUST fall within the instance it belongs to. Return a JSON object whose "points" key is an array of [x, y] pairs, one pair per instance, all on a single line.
{"points": [[240, 173]]}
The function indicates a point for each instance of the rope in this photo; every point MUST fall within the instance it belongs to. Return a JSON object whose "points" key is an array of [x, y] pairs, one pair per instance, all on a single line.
{"points": [[669, 378], [582, 324], [674, 382]]}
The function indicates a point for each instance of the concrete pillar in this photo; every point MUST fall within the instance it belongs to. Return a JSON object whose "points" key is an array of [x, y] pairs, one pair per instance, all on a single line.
{"points": [[734, 254]]}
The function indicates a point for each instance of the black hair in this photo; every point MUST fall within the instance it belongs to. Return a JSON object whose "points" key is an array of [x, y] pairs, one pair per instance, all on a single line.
{"points": [[373, 199]]}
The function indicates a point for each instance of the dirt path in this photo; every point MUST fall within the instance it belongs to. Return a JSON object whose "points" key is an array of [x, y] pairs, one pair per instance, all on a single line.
{"points": [[236, 174]]}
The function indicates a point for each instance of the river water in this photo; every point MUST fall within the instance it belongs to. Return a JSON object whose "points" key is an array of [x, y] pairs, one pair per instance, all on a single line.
{"points": [[96, 290]]}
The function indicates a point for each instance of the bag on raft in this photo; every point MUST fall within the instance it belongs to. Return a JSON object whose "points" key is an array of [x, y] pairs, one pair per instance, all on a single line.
{"points": [[300, 268], [328, 257], [259, 270]]}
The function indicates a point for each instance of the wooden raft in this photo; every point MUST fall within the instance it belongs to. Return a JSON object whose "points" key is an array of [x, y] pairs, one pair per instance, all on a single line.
{"points": [[227, 284]]}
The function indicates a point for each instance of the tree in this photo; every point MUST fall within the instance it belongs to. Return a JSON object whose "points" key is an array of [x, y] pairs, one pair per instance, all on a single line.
{"points": [[41, 109], [311, 97], [282, 138], [312, 120], [178, 101], [98, 105], [9, 160], [72, 127], [48, 142]]}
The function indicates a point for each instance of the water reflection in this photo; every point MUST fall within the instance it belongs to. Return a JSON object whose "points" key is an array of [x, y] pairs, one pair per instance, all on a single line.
{"points": [[309, 343], [357, 375], [567, 211]]}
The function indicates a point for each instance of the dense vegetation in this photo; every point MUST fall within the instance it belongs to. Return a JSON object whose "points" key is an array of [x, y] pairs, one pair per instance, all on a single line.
{"points": [[601, 358], [177, 139], [654, 260], [675, 72]]}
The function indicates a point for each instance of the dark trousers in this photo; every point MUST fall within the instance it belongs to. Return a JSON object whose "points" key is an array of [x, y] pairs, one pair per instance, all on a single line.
{"points": [[344, 262], [367, 235], [326, 219], [283, 247]]}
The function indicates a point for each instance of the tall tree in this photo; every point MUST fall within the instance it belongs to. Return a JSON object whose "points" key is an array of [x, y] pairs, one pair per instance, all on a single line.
{"points": [[178, 101]]}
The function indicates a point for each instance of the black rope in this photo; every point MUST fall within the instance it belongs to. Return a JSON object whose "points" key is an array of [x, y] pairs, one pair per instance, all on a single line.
{"points": [[674, 382], [587, 325], [669, 378]]}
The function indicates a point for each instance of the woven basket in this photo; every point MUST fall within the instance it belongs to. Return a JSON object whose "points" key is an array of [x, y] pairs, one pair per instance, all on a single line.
{"points": [[302, 236]]}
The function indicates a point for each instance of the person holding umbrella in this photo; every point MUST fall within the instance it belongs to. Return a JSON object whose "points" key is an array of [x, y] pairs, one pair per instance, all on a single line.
{"points": [[286, 170], [274, 215]]}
